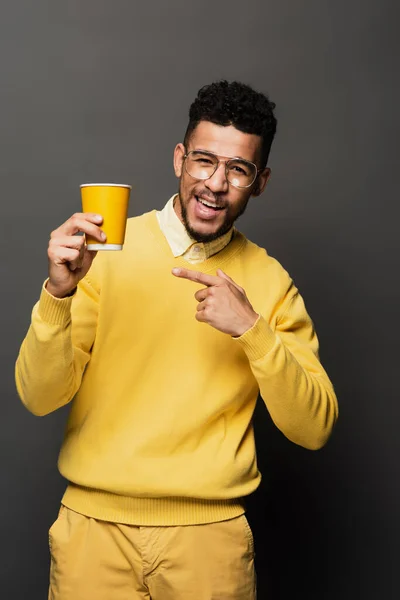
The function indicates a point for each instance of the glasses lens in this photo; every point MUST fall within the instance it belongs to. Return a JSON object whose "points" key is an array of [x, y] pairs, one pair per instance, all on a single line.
{"points": [[241, 173], [200, 165]]}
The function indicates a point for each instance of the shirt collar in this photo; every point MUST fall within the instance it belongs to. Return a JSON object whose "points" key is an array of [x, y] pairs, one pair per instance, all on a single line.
{"points": [[178, 238]]}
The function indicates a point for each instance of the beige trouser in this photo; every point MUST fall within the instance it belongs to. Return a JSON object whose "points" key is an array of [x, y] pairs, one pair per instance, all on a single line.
{"points": [[98, 560]]}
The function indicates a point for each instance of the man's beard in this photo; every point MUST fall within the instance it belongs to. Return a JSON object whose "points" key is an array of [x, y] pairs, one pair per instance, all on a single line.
{"points": [[209, 237]]}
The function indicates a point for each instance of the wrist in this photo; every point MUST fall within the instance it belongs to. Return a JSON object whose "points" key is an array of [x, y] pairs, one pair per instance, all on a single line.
{"points": [[247, 325], [56, 293]]}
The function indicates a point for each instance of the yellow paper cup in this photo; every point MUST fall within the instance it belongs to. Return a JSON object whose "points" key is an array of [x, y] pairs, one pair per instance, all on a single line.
{"points": [[110, 200]]}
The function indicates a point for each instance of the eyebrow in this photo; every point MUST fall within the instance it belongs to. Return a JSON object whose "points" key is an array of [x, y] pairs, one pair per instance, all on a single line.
{"points": [[246, 160]]}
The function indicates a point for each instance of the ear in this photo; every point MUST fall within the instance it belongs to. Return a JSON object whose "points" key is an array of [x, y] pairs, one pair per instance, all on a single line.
{"points": [[179, 153], [261, 182]]}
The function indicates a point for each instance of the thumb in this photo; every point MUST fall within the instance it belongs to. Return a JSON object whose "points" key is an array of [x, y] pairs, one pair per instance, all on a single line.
{"points": [[221, 273], [88, 258]]}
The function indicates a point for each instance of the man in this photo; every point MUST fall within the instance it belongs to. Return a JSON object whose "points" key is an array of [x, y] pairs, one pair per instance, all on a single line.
{"points": [[163, 349]]}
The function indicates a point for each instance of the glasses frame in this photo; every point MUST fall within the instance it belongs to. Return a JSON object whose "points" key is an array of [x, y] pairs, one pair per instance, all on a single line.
{"points": [[229, 159]]}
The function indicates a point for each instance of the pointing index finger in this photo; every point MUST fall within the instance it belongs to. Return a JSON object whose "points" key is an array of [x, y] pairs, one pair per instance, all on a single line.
{"points": [[196, 276]]}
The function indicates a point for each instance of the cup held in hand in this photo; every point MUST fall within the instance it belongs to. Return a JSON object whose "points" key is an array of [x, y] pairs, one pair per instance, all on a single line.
{"points": [[110, 200]]}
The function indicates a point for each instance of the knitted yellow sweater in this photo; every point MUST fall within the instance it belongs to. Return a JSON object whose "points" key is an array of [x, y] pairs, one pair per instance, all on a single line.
{"points": [[159, 431]]}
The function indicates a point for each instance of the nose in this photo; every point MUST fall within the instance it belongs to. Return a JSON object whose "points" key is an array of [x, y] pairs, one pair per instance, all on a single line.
{"points": [[218, 182]]}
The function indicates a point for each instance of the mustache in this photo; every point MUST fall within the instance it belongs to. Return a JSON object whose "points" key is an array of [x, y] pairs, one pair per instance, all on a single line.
{"points": [[215, 198]]}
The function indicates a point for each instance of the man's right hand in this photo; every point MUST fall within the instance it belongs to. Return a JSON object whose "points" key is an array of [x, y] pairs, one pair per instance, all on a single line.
{"points": [[69, 258]]}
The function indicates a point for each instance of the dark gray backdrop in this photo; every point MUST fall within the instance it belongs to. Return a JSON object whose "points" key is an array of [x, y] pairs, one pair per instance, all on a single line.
{"points": [[99, 90]]}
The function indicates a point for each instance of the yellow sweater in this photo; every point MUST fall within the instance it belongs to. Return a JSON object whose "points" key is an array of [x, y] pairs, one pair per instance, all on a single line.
{"points": [[159, 431]]}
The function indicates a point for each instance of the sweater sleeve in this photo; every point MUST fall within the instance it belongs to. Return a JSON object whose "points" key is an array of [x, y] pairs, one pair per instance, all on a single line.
{"points": [[56, 348], [293, 384]]}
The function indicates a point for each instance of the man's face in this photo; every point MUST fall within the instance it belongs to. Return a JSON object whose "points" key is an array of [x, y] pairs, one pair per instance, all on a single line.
{"points": [[205, 223]]}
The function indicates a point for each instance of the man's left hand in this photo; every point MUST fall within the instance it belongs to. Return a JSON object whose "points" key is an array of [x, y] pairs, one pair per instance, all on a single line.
{"points": [[222, 303]]}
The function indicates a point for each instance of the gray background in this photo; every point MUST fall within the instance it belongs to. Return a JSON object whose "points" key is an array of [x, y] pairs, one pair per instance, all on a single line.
{"points": [[100, 90]]}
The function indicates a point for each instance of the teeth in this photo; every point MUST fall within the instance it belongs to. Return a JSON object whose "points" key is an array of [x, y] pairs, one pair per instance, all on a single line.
{"points": [[206, 203]]}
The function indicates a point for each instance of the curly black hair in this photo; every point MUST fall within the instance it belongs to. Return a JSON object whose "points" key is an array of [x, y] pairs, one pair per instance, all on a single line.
{"points": [[233, 103]]}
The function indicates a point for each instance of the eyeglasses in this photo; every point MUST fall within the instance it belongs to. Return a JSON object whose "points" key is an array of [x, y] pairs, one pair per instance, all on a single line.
{"points": [[201, 164]]}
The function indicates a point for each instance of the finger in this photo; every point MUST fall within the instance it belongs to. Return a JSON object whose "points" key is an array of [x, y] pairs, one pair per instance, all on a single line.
{"points": [[223, 275], [88, 257], [202, 305], [201, 294], [73, 227], [201, 316], [85, 257], [68, 241], [76, 263], [197, 276], [82, 251], [65, 255], [84, 222]]}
